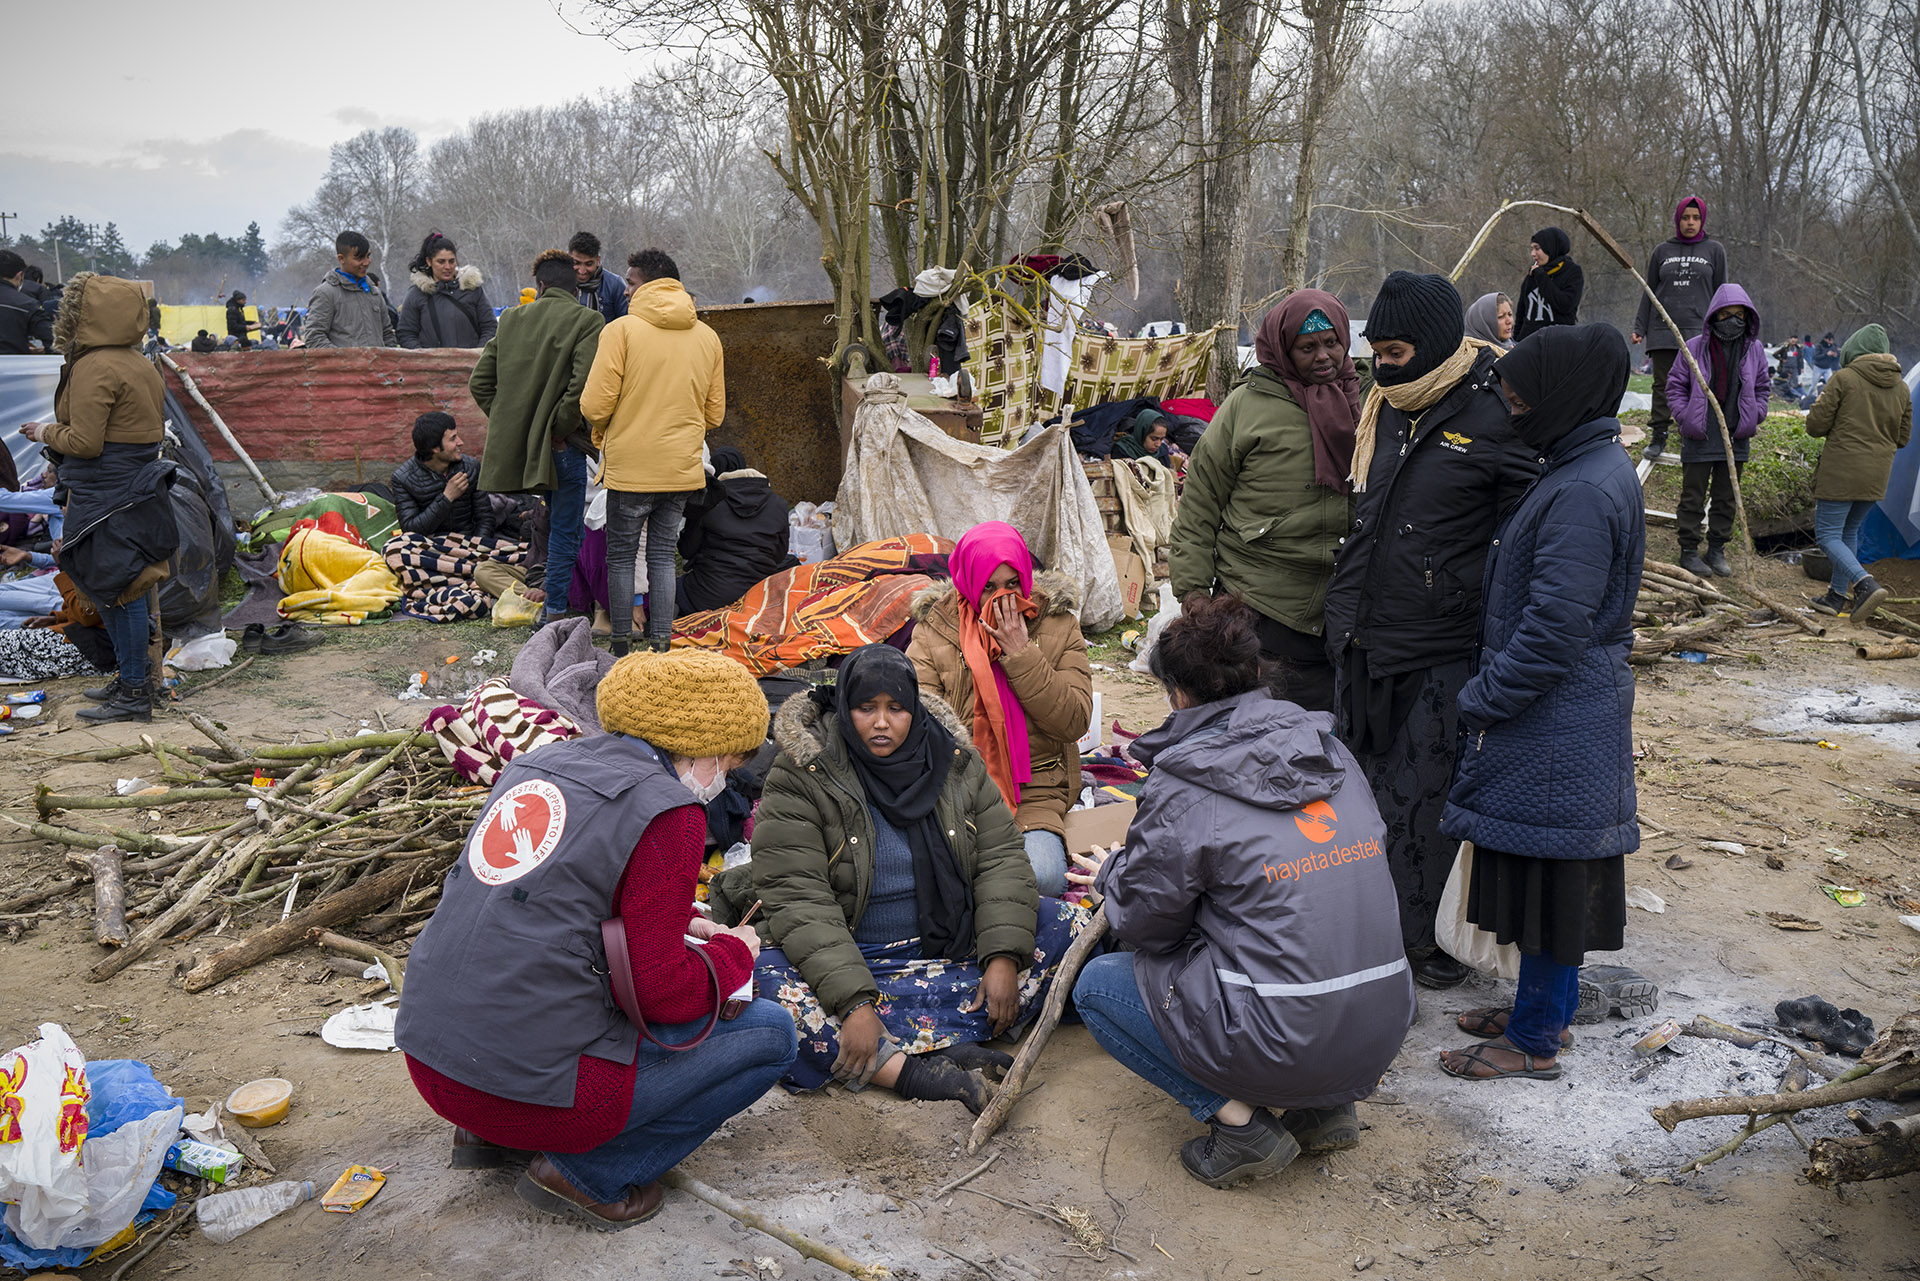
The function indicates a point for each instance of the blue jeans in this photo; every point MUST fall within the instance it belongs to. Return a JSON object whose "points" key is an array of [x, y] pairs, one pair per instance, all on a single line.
{"points": [[1109, 1002], [1836, 527], [1543, 1005], [1048, 854], [566, 525], [662, 515], [127, 628], [681, 1098]]}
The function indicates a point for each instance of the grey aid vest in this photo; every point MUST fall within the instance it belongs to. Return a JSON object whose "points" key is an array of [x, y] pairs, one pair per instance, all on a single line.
{"points": [[507, 986]]}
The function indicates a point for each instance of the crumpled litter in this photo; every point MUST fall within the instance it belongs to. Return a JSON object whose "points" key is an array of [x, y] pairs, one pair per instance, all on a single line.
{"points": [[1645, 899], [363, 1027]]}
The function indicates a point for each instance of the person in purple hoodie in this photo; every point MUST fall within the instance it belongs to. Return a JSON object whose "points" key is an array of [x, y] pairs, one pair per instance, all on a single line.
{"points": [[1734, 361], [1683, 273]]}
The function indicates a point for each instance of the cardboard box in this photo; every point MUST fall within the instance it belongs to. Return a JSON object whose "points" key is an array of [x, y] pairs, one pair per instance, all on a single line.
{"points": [[1102, 825], [1127, 567]]}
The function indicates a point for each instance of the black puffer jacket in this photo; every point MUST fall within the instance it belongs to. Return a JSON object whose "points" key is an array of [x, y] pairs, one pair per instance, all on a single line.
{"points": [[733, 538], [420, 495], [1406, 583], [451, 314]]}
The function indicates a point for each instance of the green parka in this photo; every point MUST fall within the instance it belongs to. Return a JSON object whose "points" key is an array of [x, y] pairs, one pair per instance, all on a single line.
{"points": [[1866, 414], [813, 854], [1251, 518], [528, 382]]}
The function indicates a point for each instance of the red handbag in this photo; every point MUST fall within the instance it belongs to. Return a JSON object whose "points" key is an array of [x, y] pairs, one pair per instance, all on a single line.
{"points": [[613, 935]]}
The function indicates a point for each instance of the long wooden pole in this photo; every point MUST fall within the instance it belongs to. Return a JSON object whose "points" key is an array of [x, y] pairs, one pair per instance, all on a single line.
{"points": [[219, 424]]}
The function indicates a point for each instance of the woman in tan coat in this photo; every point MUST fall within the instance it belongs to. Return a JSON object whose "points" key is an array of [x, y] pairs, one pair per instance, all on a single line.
{"points": [[1002, 646], [1866, 415]]}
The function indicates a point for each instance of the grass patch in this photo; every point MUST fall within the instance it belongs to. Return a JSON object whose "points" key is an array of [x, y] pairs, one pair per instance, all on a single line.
{"points": [[1640, 383], [1778, 482]]}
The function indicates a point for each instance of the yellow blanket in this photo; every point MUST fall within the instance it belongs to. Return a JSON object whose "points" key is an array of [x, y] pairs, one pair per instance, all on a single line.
{"points": [[329, 579]]}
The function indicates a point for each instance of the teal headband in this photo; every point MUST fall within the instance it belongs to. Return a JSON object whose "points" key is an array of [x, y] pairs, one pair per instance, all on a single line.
{"points": [[1317, 323]]}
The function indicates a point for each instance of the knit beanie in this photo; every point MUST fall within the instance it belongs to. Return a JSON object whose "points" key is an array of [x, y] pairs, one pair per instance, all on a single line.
{"points": [[1422, 310], [686, 701]]}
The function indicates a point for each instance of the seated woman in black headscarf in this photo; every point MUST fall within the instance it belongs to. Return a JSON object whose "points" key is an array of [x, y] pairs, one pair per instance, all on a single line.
{"points": [[905, 923]]}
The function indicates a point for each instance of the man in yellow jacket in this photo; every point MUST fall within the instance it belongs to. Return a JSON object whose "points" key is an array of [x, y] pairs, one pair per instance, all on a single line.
{"points": [[656, 389]]}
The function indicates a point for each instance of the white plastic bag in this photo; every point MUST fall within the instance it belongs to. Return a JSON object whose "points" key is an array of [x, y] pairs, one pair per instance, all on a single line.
{"points": [[120, 1170], [1460, 938], [362, 1027], [810, 533], [43, 1122], [1168, 611], [203, 653]]}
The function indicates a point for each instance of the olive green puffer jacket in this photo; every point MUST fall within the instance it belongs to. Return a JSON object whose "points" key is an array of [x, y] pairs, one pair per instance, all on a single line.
{"points": [[813, 854]]}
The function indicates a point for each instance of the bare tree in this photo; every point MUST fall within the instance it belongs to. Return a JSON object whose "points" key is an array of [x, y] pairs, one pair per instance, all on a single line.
{"points": [[373, 186], [1334, 31]]}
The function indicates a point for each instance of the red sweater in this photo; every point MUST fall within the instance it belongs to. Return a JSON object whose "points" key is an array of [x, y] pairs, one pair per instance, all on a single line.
{"points": [[655, 897]]}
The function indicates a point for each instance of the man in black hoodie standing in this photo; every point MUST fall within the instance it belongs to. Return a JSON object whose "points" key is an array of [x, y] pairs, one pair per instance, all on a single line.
{"points": [[1683, 273], [21, 315], [1550, 295]]}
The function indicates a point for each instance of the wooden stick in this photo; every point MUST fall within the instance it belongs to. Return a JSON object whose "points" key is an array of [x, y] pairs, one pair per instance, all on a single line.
{"points": [[1785, 611], [220, 737], [149, 938], [396, 969], [995, 1113], [1894, 649], [341, 746], [354, 901], [968, 1177], [249, 1146], [806, 1246], [109, 895], [1860, 1083], [229, 674], [219, 425], [34, 898], [1880, 1155]]}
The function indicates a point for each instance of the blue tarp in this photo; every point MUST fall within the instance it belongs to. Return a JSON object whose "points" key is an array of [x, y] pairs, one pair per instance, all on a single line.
{"points": [[1893, 527]]}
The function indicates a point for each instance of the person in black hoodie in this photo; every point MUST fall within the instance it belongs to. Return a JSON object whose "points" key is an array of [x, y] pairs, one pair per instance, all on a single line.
{"points": [[1436, 463], [1683, 272], [21, 316], [238, 326], [1550, 295], [735, 535]]}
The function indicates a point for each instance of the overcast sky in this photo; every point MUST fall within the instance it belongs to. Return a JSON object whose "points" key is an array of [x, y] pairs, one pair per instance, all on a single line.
{"points": [[204, 117]]}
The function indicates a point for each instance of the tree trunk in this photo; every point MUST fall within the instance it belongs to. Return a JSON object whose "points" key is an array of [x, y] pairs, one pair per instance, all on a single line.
{"points": [[335, 909]]}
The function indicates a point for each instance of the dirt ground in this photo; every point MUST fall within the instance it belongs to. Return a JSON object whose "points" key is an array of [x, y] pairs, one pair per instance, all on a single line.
{"points": [[1452, 1180]]}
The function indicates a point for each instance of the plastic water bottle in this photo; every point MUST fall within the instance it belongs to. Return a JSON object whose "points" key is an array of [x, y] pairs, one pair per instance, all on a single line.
{"points": [[225, 1215]]}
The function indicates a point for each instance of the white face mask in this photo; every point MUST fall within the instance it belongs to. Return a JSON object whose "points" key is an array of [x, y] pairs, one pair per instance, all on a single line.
{"points": [[714, 782]]}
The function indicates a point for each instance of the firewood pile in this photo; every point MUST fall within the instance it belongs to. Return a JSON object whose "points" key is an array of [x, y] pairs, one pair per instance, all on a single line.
{"points": [[1678, 611]]}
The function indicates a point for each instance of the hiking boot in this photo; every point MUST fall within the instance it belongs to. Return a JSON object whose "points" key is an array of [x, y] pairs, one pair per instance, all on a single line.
{"points": [[1656, 446], [1691, 562], [1609, 989], [1867, 598], [547, 1189], [1319, 1130], [1230, 1154], [129, 703], [105, 693], [1717, 562], [618, 646], [660, 644], [1439, 971], [1832, 603]]}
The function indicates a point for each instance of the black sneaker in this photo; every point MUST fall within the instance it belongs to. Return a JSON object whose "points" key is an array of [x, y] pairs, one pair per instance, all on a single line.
{"points": [[1439, 971], [1832, 603], [131, 703], [1656, 446], [1610, 989], [1867, 598], [1230, 1154], [1691, 562], [1319, 1130], [1717, 562], [106, 693]]}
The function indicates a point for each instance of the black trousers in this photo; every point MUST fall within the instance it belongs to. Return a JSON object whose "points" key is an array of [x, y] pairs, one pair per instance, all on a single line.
{"points": [[1697, 480], [1295, 665], [1662, 417]]}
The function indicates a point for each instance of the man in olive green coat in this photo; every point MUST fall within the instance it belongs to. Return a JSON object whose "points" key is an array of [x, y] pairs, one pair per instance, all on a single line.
{"points": [[1866, 415], [1266, 502], [528, 382]]}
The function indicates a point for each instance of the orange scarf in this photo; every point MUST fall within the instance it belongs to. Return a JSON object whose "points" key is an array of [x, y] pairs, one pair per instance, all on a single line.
{"points": [[999, 722]]}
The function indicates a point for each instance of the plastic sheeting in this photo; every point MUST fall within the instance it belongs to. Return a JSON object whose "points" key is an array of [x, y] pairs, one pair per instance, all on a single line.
{"points": [[906, 476], [26, 396]]}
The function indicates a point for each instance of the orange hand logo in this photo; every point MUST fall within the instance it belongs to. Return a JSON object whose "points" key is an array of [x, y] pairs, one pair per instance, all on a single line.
{"points": [[1315, 821], [13, 1079]]}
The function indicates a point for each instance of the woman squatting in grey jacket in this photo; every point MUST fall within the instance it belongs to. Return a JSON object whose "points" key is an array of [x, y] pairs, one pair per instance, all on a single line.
{"points": [[1268, 988]]}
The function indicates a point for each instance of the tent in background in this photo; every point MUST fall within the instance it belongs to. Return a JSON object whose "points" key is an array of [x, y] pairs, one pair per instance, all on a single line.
{"points": [[1893, 527]]}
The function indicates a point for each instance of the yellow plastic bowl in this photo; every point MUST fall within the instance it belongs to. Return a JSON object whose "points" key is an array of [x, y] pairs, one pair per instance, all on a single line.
{"points": [[261, 1103]]}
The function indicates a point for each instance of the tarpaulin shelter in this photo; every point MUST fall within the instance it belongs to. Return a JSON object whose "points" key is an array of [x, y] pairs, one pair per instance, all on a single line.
{"points": [[1892, 528], [906, 476]]}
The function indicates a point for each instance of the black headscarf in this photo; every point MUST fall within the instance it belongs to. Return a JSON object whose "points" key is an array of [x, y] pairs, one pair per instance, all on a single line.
{"points": [[1570, 375], [905, 787], [726, 458], [1553, 242]]}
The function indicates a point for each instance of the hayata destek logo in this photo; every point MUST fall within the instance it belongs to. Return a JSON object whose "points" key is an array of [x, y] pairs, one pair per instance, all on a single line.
{"points": [[518, 833], [1315, 821]]}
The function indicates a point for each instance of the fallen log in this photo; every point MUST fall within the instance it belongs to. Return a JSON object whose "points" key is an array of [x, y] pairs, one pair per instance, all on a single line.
{"points": [[1880, 653], [1784, 610], [1862, 1083], [995, 1113], [1892, 1149], [335, 909], [109, 894], [33, 898], [149, 938]]}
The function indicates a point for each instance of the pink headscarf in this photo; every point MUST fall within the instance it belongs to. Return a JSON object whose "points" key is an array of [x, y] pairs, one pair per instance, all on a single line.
{"points": [[980, 551]]}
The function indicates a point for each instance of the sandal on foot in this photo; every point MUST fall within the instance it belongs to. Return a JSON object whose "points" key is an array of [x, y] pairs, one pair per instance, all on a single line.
{"points": [[1481, 1023], [1476, 1055]]}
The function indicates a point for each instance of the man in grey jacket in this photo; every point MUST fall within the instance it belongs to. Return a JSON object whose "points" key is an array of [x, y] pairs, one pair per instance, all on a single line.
{"points": [[349, 309], [1683, 271]]}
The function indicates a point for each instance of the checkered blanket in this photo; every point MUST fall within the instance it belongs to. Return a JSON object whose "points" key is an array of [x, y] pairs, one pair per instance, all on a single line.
{"points": [[492, 727], [436, 573]]}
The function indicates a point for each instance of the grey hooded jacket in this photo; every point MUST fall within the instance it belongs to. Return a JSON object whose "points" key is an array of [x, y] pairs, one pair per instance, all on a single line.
{"points": [[341, 314], [1254, 889]]}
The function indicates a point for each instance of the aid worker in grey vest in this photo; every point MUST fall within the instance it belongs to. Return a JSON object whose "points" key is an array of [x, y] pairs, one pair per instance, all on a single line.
{"points": [[1268, 987], [516, 1022]]}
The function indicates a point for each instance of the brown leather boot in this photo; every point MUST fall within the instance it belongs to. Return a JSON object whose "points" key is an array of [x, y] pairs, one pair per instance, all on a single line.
{"points": [[545, 1188], [471, 1152]]}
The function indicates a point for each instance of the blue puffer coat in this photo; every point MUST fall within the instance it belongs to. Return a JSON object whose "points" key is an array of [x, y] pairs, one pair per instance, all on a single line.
{"points": [[1546, 769]]}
